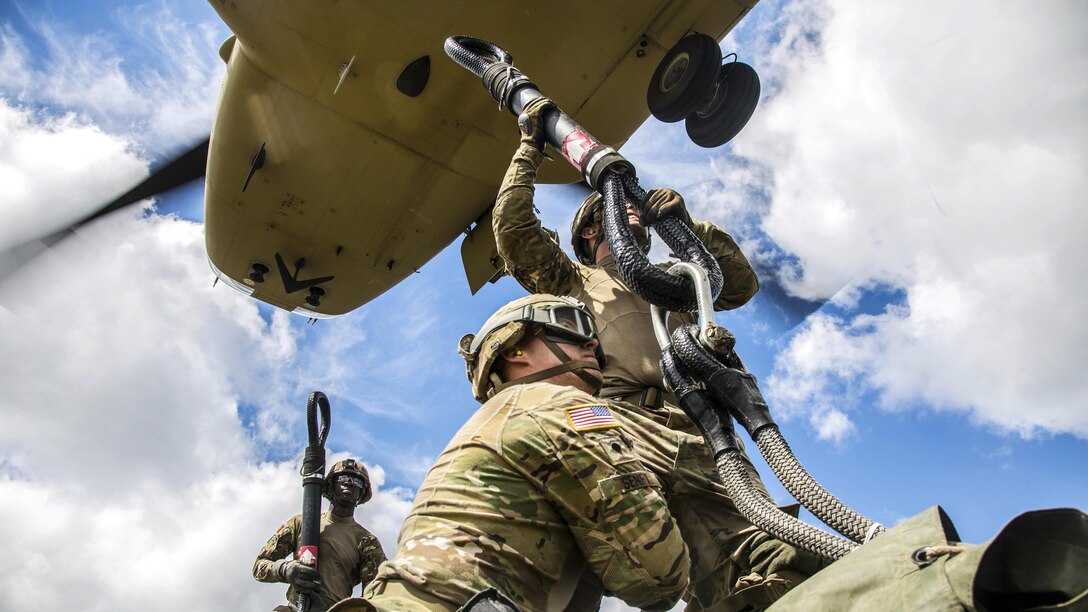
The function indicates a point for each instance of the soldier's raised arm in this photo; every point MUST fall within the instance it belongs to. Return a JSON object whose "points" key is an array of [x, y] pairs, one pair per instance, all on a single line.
{"points": [[741, 282], [531, 254]]}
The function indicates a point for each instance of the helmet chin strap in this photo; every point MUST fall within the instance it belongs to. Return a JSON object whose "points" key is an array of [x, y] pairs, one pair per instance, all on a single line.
{"points": [[594, 243], [567, 365], [601, 239]]}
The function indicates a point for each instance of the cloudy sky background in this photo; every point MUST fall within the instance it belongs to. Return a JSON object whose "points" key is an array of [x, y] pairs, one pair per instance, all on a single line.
{"points": [[921, 166]]}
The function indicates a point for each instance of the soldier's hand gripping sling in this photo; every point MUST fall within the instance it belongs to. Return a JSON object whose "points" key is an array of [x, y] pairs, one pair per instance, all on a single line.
{"points": [[604, 170]]}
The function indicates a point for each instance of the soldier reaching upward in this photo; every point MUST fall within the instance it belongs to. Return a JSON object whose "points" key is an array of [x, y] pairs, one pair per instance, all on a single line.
{"points": [[350, 554], [724, 546]]}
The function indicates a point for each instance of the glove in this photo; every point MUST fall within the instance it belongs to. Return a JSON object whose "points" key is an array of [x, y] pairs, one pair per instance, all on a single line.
{"points": [[531, 122], [661, 203], [301, 576]]}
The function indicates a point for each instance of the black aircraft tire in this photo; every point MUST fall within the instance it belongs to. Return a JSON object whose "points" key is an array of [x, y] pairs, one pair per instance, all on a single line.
{"points": [[684, 77], [722, 117]]}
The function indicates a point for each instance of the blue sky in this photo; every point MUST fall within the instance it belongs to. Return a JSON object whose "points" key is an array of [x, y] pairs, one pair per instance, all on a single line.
{"points": [[923, 168]]}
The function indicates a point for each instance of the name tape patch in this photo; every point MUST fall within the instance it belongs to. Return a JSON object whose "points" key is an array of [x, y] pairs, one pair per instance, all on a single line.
{"points": [[621, 484], [591, 416], [635, 480]]}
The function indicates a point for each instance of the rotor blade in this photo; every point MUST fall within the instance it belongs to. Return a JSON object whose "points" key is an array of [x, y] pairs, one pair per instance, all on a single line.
{"points": [[189, 166]]}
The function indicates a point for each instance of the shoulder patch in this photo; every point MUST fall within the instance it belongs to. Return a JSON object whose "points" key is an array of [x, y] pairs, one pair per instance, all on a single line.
{"points": [[591, 416]]}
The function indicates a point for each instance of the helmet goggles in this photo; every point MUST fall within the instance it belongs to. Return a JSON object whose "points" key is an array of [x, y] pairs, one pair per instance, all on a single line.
{"points": [[569, 325], [559, 323]]}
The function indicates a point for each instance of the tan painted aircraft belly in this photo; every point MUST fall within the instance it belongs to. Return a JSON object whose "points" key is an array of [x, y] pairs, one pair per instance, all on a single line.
{"points": [[365, 184]]}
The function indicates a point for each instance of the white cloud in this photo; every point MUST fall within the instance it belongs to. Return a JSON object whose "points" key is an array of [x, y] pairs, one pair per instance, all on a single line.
{"points": [[13, 59], [158, 546], [368, 359], [157, 77], [139, 404], [129, 478], [833, 425], [940, 151], [120, 428], [54, 169]]}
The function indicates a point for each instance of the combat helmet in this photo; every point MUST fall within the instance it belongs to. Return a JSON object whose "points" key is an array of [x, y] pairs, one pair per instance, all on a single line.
{"points": [[546, 314], [592, 210], [588, 212], [348, 467]]}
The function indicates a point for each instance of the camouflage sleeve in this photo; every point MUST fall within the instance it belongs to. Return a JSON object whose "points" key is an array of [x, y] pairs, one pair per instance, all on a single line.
{"points": [[741, 282], [531, 255], [371, 556], [279, 546], [614, 508], [631, 540]]}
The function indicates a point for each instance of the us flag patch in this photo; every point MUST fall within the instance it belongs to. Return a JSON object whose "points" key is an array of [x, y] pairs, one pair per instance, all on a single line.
{"points": [[592, 416]]}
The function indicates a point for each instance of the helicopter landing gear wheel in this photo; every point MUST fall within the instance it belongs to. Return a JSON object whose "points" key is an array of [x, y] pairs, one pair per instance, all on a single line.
{"points": [[727, 108], [684, 77]]}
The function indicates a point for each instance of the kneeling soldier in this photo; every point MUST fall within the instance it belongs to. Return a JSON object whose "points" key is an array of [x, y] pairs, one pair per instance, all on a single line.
{"points": [[539, 487]]}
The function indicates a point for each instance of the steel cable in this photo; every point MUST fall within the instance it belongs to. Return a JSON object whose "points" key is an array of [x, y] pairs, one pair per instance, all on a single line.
{"points": [[769, 518], [494, 65], [774, 448], [656, 286], [474, 54], [717, 428], [816, 499]]}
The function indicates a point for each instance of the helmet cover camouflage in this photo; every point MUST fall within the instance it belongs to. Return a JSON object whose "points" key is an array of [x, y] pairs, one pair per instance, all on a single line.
{"points": [[592, 211], [497, 337], [350, 467]]}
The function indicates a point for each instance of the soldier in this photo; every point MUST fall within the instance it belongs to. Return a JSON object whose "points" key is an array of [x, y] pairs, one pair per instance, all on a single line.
{"points": [[350, 554], [540, 485], [724, 546]]}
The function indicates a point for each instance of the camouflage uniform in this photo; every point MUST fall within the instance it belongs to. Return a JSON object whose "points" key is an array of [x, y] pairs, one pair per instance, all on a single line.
{"points": [[724, 546], [525, 500], [350, 555]]}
